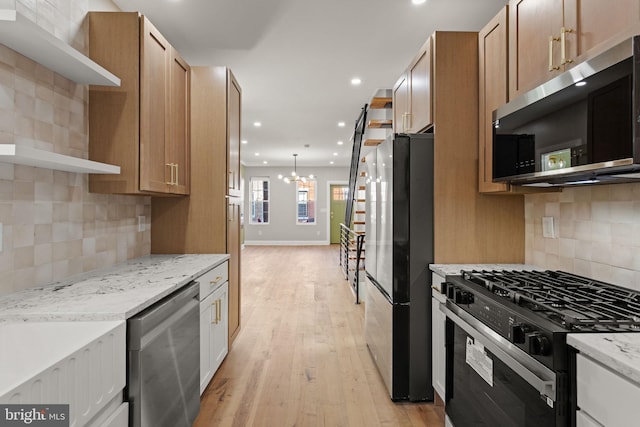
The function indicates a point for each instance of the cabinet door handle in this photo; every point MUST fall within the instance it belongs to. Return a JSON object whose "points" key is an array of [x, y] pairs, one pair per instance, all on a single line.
{"points": [[177, 179], [215, 318], [216, 280], [404, 122], [232, 181], [170, 173], [563, 45], [218, 309], [551, 66]]}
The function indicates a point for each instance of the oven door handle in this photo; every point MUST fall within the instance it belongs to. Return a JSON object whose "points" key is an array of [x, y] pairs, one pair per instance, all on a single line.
{"points": [[533, 372]]}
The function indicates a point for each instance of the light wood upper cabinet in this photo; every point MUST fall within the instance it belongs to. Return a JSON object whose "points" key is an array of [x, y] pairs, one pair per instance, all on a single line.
{"points": [[143, 126], [590, 26], [534, 48], [400, 104], [233, 129], [180, 123], [412, 94], [420, 90], [493, 45], [548, 37]]}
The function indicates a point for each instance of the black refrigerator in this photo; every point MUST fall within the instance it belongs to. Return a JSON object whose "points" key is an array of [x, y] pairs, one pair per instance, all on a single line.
{"points": [[398, 251]]}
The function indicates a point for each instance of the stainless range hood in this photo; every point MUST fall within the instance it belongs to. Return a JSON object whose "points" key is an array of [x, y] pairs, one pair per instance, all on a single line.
{"points": [[580, 128]]}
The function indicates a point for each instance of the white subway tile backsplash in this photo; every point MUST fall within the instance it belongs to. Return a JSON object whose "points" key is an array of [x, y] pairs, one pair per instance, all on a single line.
{"points": [[622, 212], [600, 211], [599, 230], [42, 255], [583, 250], [23, 235]]}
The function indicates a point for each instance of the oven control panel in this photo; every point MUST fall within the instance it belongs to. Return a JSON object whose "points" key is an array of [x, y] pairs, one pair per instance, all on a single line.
{"points": [[504, 321]]}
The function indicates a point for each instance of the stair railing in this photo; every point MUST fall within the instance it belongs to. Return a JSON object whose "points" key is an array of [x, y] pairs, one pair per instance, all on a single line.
{"points": [[352, 257], [358, 133]]}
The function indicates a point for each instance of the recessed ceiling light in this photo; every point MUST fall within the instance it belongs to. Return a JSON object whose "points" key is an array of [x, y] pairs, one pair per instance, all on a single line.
{"points": [[355, 81], [341, 124], [335, 154], [331, 162], [257, 124], [244, 141], [257, 154], [340, 142], [582, 83], [265, 162], [418, 1]]}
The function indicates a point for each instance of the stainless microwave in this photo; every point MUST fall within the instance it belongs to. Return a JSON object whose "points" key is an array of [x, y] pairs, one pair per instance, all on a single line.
{"points": [[582, 127]]}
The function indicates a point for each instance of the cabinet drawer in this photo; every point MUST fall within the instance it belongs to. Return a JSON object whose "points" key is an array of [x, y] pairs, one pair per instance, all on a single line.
{"points": [[605, 396], [212, 279]]}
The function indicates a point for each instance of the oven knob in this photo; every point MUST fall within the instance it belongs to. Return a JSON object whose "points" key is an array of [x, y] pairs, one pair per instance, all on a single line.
{"points": [[519, 332], [463, 297], [451, 291], [539, 344]]}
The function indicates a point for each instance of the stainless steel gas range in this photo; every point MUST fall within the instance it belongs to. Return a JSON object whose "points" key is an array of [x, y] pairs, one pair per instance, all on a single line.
{"points": [[508, 362]]}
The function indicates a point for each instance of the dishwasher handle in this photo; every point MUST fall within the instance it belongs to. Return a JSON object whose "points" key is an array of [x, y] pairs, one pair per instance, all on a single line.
{"points": [[148, 324]]}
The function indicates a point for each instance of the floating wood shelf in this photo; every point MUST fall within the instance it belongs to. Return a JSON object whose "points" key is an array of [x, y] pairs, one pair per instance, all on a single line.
{"points": [[380, 123], [11, 153], [380, 102], [27, 38], [373, 142]]}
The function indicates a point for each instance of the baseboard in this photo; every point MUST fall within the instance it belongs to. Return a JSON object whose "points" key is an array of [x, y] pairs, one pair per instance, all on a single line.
{"points": [[286, 242]]}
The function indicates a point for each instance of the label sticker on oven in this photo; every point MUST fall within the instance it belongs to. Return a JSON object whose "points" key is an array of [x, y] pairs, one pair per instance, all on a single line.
{"points": [[479, 361]]}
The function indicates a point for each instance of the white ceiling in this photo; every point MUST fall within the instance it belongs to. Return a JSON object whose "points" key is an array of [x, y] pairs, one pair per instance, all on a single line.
{"points": [[295, 58]]}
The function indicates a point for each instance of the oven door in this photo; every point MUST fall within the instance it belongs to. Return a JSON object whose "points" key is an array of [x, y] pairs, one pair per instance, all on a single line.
{"points": [[492, 383]]}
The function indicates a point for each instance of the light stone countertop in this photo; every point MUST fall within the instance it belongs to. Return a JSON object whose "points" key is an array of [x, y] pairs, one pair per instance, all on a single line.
{"points": [[445, 269], [619, 352], [113, 293]]}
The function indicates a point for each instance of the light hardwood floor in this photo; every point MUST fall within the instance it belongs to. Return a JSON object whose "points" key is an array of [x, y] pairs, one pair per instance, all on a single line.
{"points": [[300, 358]]}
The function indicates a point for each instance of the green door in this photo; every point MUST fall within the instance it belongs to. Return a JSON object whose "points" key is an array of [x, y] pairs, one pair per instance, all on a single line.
{"points": [[337, 206]]}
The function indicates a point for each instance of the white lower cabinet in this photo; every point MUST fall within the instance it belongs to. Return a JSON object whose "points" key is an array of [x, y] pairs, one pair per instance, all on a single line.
{"points": [[214, 319], [116, 414], [438, 319], [82, 364], [604, 397]]}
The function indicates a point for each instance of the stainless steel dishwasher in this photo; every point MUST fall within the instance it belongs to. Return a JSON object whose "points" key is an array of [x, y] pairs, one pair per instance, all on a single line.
{"points": [[163, 362]]}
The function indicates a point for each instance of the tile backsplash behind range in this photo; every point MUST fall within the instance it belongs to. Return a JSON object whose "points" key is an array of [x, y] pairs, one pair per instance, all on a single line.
{"points": [[53, 227], [598, 229]]}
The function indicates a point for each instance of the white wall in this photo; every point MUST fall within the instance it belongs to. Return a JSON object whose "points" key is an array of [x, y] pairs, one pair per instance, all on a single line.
{"points": [[282, 228], [598, 229], [103, 6]]}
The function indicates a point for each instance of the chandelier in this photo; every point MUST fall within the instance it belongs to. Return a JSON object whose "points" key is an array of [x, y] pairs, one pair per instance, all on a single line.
{"points": [[294, 175]]}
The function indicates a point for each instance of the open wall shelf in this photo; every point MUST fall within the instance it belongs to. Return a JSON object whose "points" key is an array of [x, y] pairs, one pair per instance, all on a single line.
{"points": [[11, 153], [27, 38]]}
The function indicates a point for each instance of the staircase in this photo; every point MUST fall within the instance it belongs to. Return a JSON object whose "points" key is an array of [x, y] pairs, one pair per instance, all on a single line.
{"points": [[373, 126]]}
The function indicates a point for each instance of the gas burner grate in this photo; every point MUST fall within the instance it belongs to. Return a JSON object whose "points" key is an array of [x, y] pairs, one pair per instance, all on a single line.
{"points": [[572, 301]]}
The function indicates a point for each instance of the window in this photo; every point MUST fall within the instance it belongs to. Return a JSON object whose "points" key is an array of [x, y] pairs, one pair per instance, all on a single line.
{"points": [[306, 202], [340, 193], [259, 201]]}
